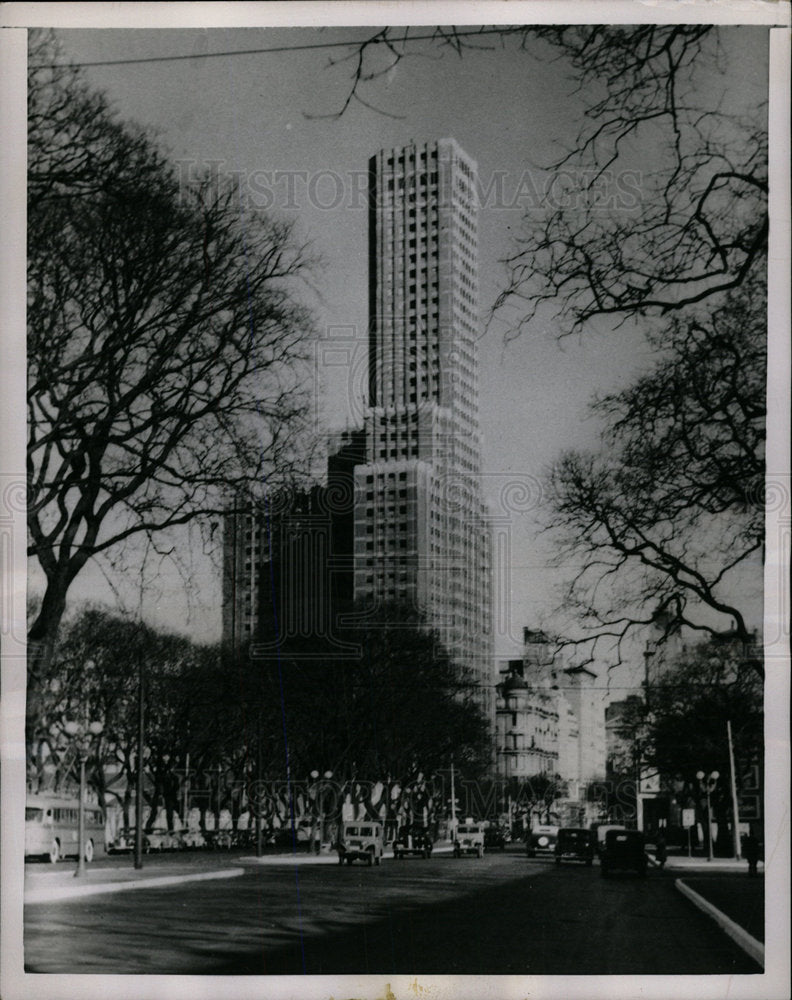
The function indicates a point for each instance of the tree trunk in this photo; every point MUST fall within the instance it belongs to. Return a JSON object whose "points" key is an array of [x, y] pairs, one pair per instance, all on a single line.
{"points": [[42, 636]]}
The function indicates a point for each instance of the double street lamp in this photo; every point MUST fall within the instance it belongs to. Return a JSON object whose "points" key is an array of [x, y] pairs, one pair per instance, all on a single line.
{"points": [[707, 784], [319, 804], [82, 735]]}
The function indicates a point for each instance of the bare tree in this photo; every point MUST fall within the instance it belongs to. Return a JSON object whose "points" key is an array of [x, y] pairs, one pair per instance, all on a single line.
{"points": [[164, 341], [663, 522], [692, 220]]}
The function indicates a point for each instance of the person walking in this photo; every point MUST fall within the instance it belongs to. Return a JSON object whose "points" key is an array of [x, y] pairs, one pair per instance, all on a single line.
{"points": [[751, 853], [661, 853]]}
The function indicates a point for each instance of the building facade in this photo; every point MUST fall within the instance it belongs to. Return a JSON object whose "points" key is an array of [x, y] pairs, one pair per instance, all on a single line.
{"points": [[401, 519], [550, 717], [420, 529]]}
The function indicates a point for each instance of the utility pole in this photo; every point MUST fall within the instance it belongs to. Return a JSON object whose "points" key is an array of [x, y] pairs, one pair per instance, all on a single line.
{"points": [[735, 810], [186, 786], [453, 802], [139, 790], [257, 799]]}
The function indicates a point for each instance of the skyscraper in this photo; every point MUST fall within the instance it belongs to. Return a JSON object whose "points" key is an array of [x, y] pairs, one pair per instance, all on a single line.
{"points": [[411, 529], [421, 534]]}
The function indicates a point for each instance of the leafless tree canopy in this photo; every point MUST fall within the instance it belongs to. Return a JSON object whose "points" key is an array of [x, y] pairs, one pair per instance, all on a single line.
{"points": [[661, 526], [164, 341], [650, 94], [675, 507]]}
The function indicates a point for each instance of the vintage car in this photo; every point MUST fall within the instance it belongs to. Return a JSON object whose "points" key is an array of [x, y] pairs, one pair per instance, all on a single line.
{"points": [[193, 839], [541, 840], [624, 850], [574, 844], [123, 841], [360, 841], [413, 839], [496, 836], [600, 831], [469, 839], [161, 839]]}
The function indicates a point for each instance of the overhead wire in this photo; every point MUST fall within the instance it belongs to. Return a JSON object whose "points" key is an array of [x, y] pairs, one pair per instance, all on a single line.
{"points": [[373, 40]]}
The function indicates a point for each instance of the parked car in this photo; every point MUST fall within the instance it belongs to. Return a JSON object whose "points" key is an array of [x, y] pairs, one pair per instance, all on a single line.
{"points": [[123, 841], [360, 841], [574, 844], [160, 839], [495, 836], [600, 832], [541, 840], [624, 850], [469, 839], [219, 840], [413, 839], [193, 838]]}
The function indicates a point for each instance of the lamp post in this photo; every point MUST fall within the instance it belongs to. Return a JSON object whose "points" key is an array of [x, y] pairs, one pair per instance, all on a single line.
{"points": [[707, 784], [319, 804], [82, 735]]}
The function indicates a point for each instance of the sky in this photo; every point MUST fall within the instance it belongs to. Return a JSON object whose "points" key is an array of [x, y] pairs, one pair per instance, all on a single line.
{"points": [[261, 115]]}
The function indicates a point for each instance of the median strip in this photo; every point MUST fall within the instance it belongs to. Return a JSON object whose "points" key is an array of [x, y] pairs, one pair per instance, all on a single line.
{"points": [[738, 934], [54, 894]]}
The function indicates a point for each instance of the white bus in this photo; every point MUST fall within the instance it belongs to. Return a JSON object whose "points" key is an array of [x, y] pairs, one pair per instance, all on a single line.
{"points": [[52, 826]]}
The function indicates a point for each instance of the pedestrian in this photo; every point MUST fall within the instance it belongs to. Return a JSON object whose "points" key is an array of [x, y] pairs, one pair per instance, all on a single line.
{"points": [[660, 849], [751, 853]]}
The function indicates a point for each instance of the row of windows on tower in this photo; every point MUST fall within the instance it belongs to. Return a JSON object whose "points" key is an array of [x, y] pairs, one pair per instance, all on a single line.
{"points": [[410, 180]]}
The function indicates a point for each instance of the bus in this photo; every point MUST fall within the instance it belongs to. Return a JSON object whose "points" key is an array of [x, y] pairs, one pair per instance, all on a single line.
{"points": [[52, 828]]}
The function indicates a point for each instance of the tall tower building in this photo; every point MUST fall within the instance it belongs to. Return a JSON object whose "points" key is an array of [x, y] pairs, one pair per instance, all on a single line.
{"points": [[402, 518], [420, 528]]}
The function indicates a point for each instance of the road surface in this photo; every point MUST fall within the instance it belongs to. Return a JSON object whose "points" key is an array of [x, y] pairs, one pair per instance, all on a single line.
{"points": [[503, 914]]}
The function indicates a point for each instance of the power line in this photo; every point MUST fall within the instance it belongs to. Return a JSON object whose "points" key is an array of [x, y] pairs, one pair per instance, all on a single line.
{"points": [[375, 40]]}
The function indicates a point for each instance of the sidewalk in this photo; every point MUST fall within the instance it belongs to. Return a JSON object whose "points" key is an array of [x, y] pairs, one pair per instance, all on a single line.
{"points": [[723, 890], [330, 858], [681, 862], [57, 885]]}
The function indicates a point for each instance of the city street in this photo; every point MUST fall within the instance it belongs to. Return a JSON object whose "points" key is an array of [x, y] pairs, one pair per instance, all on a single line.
{"points": [[503, 914]]}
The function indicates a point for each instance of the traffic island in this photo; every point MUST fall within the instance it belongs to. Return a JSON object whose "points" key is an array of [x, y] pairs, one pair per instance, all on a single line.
{"points": [[64, 888], [736, 904]]}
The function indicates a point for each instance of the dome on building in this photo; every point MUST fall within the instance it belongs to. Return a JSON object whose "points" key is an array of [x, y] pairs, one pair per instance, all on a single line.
{"points": [[515, 683]]}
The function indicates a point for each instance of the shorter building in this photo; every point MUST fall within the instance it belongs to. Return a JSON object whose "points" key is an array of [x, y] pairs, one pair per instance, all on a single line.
{"points": [[527, 726], [550, 722]]}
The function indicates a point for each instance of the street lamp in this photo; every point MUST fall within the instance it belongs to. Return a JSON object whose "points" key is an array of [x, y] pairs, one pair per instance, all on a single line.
{"points": [[320, 805], [707, 784], [82, 735]]}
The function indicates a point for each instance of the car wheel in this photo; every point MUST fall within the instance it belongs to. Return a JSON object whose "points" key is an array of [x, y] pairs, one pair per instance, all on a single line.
{"points": [[378, 860], [558, 862], [54, 852], [369, 859], [89, 851], [349, 861]]}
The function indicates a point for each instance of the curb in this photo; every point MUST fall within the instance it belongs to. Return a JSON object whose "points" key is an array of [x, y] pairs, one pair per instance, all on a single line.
{"points": [[65, 892], [320, 859], [755, 949]]}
